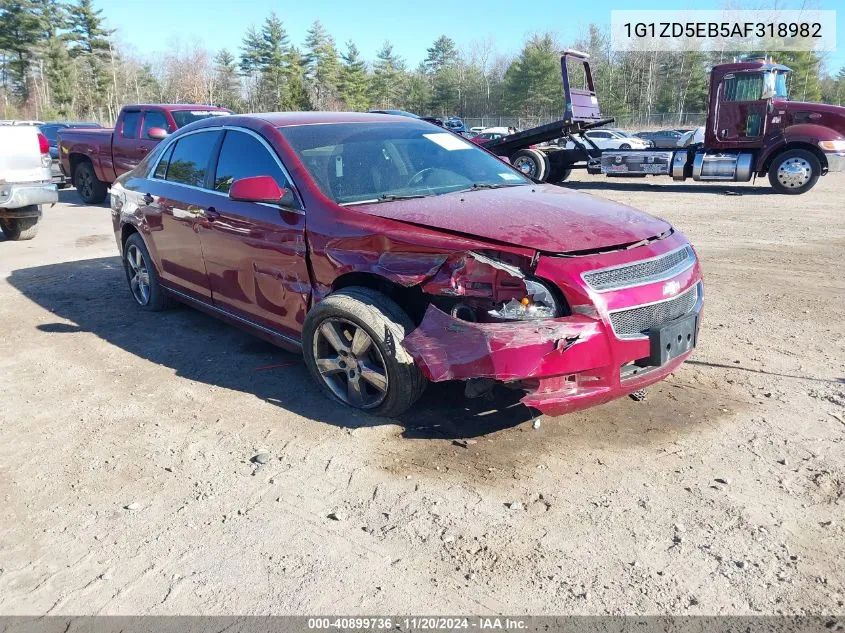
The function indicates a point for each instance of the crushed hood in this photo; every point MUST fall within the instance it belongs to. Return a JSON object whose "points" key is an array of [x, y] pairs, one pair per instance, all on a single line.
{"points": [[542, 217]]}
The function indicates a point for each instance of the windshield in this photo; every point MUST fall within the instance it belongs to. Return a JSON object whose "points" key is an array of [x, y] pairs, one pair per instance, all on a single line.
{"points": [[374, 162], [183, 117]]}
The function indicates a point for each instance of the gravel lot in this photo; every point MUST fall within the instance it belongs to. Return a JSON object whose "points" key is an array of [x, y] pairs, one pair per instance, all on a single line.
{"points": [[126, 442]]}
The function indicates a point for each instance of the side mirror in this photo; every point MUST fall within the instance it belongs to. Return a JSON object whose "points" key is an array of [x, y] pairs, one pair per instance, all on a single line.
{"points": [[156, 133], [257, 189]]}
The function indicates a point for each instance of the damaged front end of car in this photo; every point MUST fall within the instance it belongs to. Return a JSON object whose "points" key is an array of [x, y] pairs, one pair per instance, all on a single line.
{"points": [[535, 324]]}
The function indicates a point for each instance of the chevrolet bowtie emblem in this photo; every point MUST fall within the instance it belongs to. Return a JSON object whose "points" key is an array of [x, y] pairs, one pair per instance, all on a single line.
{"points": [[671, 288]]}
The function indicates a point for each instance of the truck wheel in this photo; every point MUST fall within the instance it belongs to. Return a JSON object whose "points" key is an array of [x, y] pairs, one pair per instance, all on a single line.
{"points": [[90, 188], [19, 229], [531, 162], [142, 276], [558, 174], [794, 172], [351, 342]]}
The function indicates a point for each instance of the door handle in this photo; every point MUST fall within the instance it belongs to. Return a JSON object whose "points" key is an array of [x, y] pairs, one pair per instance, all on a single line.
{"points": [[148, 199]]}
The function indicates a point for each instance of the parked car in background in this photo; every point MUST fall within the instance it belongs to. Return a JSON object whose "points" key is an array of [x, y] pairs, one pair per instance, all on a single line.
{"points": [[692, 137], [20, 122], [612, 139], [491, 134], [94, 158], [25, 180], [456, 124], [661, 138], [424, 259], [410, 115], [50, 129]]}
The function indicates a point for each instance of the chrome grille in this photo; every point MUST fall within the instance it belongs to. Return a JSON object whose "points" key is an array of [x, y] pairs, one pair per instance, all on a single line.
{"points": [[636, 322], [642, 272]]}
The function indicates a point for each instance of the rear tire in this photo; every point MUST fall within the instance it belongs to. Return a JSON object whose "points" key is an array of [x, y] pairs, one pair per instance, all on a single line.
{"points": [[531, 162], [625, 146], [90, 188], [794, 172], [142, 276], [20, 229], [384, 324]]}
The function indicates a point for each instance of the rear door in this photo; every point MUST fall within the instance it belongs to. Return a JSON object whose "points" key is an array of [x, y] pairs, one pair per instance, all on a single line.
{"points": [[175, 197], [255, 253], [125, 142]]}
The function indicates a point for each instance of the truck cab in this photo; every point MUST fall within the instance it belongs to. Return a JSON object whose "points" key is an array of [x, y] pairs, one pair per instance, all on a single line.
{"points": [[742, 97]]}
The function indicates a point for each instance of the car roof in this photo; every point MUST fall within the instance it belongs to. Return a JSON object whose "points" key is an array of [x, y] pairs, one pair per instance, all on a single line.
{"points": [[286, 119], [173, 106]]}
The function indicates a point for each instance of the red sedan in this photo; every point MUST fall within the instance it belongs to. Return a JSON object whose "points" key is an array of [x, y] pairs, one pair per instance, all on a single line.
{"points": [[392, 253]]}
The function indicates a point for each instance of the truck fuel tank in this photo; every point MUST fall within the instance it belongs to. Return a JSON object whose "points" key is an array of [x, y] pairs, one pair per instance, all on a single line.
{"points": [[722, 166]]}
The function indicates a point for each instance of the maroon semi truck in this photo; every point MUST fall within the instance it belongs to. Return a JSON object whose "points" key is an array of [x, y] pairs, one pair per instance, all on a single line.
{"points": [[94, 158], [752, 129]]}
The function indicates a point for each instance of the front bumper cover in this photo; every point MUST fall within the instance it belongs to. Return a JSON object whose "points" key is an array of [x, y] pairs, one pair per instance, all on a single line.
{"points": [[835, 161], [564, 364]]}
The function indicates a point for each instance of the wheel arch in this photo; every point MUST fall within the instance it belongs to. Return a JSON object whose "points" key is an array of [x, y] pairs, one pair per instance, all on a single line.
{"points": [[410, 298], [790, 145]]}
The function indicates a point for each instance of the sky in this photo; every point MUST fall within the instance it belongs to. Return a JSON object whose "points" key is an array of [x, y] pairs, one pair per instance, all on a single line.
{"points": [[154, 26]]}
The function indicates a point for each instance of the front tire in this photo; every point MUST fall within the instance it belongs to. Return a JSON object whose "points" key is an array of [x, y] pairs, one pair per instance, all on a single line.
{"points": [[19, 229], [90, 188], [142, 276], [794, 172], [625, 146], [351, 342]]}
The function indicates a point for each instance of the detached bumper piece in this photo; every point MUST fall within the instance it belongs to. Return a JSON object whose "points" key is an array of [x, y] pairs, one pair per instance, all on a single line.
{"points": [[835, 161]]}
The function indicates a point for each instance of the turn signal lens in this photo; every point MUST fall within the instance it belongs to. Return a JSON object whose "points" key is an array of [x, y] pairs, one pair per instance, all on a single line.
{"points": [[833, 146]]}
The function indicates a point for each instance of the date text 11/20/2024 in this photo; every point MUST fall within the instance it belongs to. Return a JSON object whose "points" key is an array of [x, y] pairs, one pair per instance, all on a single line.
{"points": [[406, 623]]}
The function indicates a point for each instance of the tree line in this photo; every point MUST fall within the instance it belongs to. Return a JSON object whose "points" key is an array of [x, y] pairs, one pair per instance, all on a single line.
{"points": [[59, 60]]}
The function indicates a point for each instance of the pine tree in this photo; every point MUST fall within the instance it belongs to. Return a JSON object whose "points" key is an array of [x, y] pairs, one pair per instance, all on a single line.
{"points": [[532, 82], [442, 65], [321, 65], [21, 31], [386, 85], [354, 84], [274, 60], [295, 75], [227, 85], [58, 70], [804, 79], [91, 48]]}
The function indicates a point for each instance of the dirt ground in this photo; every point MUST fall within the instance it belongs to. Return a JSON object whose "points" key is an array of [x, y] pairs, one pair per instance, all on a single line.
{"points": [[126, 440]]}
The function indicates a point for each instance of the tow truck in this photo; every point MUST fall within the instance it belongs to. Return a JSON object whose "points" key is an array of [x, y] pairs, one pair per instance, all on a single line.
{"points": [[752, 130]]}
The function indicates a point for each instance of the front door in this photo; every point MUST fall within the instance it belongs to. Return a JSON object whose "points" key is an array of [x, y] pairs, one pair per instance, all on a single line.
{"points": [[255, 254], [740, 119], [177, 197], [125, 142]]}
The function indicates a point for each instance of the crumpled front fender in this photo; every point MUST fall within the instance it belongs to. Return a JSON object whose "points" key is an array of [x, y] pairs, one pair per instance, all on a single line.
{"points": [[447, 348]]}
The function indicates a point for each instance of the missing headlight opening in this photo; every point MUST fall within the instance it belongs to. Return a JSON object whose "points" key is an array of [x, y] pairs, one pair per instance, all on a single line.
{"points": [[486, 288]]}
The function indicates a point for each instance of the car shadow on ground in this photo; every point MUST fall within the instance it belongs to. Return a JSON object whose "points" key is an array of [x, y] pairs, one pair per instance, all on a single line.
{"points": [[70, 197], [615, 184], [91, 296]]}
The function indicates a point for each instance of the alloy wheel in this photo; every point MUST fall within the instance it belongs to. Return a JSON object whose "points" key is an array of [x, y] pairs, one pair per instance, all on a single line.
{"points": [[139, 275], [350, 363]]}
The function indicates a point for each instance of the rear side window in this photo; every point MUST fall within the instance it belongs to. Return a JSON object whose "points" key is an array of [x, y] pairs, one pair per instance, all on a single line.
{"points": [[244, 156], [161, 168], [131, 123], [154, 119], [190, 158]]}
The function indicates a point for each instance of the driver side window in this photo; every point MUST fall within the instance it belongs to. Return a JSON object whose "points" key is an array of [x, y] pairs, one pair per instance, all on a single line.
{"points": [[743, 88]]}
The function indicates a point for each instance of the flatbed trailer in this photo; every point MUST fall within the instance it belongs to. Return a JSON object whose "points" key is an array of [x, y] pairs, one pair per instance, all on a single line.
{"points": [[752, 130]]}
